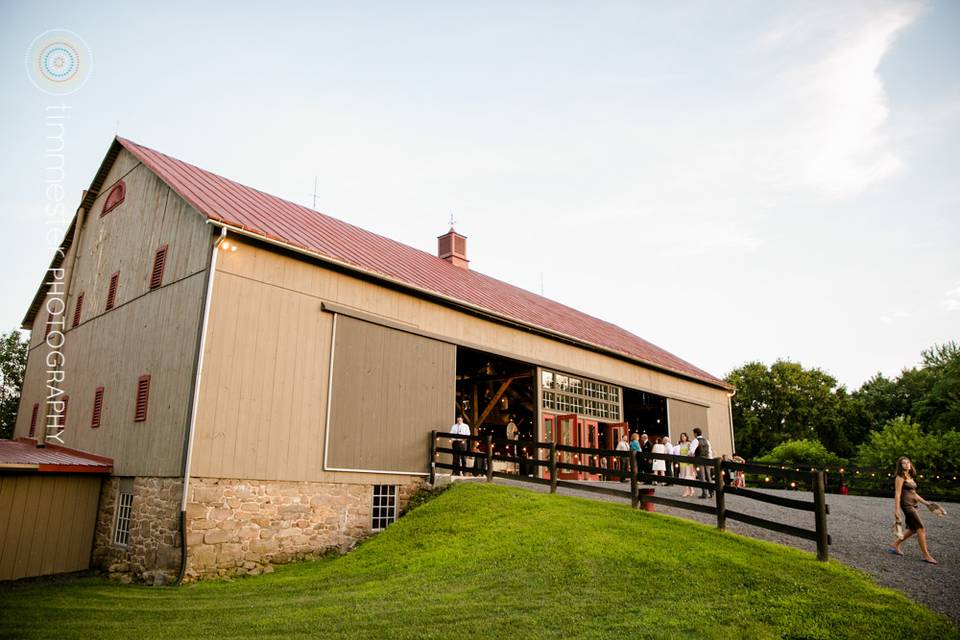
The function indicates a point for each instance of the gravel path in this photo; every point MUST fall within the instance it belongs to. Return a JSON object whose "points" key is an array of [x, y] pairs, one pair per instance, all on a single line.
{"points": [[861, 529]]}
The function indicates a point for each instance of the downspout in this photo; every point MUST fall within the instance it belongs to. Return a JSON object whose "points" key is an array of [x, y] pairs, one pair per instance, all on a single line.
{"points": [[733, 445], [194, 403]]}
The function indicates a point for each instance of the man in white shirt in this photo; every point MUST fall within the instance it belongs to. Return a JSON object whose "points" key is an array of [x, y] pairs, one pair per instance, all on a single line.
{"points": [[460, 447], [623, 445]]}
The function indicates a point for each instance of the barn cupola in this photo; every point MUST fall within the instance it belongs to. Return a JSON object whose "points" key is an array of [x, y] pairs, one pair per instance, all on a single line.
{"points": [[452, 247]]}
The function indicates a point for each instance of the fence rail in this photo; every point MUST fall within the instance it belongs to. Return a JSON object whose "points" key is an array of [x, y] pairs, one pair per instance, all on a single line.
{"points": [[629, 461]]}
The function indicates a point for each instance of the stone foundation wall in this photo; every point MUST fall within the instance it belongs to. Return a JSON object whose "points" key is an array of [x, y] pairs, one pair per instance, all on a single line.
{"points": [[153, 552], [244, 526]]}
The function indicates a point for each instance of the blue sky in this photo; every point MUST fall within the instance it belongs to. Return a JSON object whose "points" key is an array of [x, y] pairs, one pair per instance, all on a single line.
{"points": [[731, 181]]}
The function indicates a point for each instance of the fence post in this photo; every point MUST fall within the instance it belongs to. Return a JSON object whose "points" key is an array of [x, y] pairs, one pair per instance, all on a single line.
{"points": [[553, 467], [718, 493], [489, 458], [634, 489], [820, 506], [433, 457]]}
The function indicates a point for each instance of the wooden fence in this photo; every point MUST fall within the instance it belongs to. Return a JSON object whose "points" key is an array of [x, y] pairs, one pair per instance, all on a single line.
{"points": [[561, 458]]}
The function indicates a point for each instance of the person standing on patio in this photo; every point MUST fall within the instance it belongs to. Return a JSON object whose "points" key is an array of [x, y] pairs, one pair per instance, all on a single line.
{"points": [[621, 461], [700, 448], [459, 447], [686, 469]]}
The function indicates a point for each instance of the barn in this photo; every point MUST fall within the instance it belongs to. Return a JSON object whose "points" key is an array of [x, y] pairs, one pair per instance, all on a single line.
{"points": [[263, 377]]}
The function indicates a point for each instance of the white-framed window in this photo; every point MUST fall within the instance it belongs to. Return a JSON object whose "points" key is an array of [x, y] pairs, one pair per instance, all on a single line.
{"points": [[384, 505], [121, 527]]}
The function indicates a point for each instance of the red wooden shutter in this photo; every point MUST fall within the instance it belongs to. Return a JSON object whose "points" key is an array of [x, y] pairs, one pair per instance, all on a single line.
{"points": [[97, 408], [33, 420], [143, 395], [77, 310], [159, 262], [112, 293], [114, 198], [49, 325]]}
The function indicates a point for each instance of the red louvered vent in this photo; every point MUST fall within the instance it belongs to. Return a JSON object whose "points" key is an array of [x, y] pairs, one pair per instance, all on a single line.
{"points": [[77, 310], [159, 262], [143, 395], [112, 293], [114, 198], [49, 325], [97, 408], [33, 420]]}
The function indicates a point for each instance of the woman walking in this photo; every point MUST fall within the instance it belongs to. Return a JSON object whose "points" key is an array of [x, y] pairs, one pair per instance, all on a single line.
{"points": [[905, 500], [659, 467]]}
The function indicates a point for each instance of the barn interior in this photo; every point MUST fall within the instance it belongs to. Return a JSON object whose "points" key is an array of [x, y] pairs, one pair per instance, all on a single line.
{"points": [[492, 390]]}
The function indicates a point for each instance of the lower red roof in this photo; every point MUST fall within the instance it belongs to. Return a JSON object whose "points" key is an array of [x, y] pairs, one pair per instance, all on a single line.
{"points": [[25, 454]]}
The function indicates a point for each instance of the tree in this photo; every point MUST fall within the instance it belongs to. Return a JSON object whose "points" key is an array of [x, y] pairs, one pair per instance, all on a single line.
{"points": [[786, 402], [939, 408], [801, 452], [13, 362], [900, 437]]}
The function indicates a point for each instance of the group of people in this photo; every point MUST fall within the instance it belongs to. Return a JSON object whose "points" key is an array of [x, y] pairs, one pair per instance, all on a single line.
{"points": [[698, 447]]}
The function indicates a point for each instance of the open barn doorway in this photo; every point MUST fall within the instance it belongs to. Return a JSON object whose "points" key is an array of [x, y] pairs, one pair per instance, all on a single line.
{"points": [[492, 391], [645, 412]]}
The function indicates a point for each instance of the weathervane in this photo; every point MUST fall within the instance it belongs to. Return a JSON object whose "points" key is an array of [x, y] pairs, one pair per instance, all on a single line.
{"points": [[453, 220]]}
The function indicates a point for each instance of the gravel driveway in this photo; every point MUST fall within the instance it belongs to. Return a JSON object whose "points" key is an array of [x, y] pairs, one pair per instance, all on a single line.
{"points": [[861, 529]]}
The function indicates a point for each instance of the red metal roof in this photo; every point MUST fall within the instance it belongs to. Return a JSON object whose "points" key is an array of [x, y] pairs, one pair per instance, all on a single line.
{"points": [[24, 453], [264, 215]]}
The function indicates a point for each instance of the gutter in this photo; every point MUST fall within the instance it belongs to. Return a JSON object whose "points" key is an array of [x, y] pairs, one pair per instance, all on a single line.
{"points": [[195, 401], [733, 444]]}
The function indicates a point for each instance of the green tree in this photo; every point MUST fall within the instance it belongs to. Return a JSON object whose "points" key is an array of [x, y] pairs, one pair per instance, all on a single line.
{"points": [[13, 362], [786, 402], [939, 408], [900, 437]]}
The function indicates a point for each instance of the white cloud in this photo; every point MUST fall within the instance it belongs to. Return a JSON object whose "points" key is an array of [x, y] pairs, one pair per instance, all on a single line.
{"points": [[951, 299], [829, 111]]}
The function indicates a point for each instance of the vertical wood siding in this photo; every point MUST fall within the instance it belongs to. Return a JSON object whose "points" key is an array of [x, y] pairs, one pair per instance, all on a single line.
{"points": [[684, 416], [390, 389], [48, 523], [150, 331]]}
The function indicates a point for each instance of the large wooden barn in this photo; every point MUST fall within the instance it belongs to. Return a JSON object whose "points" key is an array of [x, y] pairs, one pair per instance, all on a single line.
{"points": [[289, 367]]}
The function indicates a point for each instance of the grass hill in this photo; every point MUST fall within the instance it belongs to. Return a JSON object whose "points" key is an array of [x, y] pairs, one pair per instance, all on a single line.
{"points": [[484, 561]]}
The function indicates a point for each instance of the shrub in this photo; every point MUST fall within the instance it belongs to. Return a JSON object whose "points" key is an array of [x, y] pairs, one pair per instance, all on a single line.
{"points": [[810, 452]]}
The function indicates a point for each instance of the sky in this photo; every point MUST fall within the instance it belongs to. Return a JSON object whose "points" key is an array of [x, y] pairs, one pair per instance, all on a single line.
{"points": [[735, 181]]}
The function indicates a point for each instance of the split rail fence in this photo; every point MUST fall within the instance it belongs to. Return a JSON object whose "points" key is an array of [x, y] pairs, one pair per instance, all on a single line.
{"points": [[626, 464]]}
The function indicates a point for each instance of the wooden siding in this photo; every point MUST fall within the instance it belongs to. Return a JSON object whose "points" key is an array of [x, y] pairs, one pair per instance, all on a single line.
{"points": [[48, 523], [148, 332], [684, 416], [262, 408], [389, 390]]}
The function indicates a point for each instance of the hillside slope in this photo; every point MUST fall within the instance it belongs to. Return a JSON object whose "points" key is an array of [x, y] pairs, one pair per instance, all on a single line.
{"points": [[484, 561]]}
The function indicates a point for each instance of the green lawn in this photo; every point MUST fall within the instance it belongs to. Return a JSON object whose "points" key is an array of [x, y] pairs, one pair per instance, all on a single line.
{"points": [[484, 561]]}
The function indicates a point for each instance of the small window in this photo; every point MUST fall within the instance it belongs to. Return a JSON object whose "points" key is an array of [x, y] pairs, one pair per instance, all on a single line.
{"points": [[159, 262], [121, 532], [77, 310], [33, 420], [112, 292], [114, 198], [97, 408], [143, 395], [384, 505]]}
